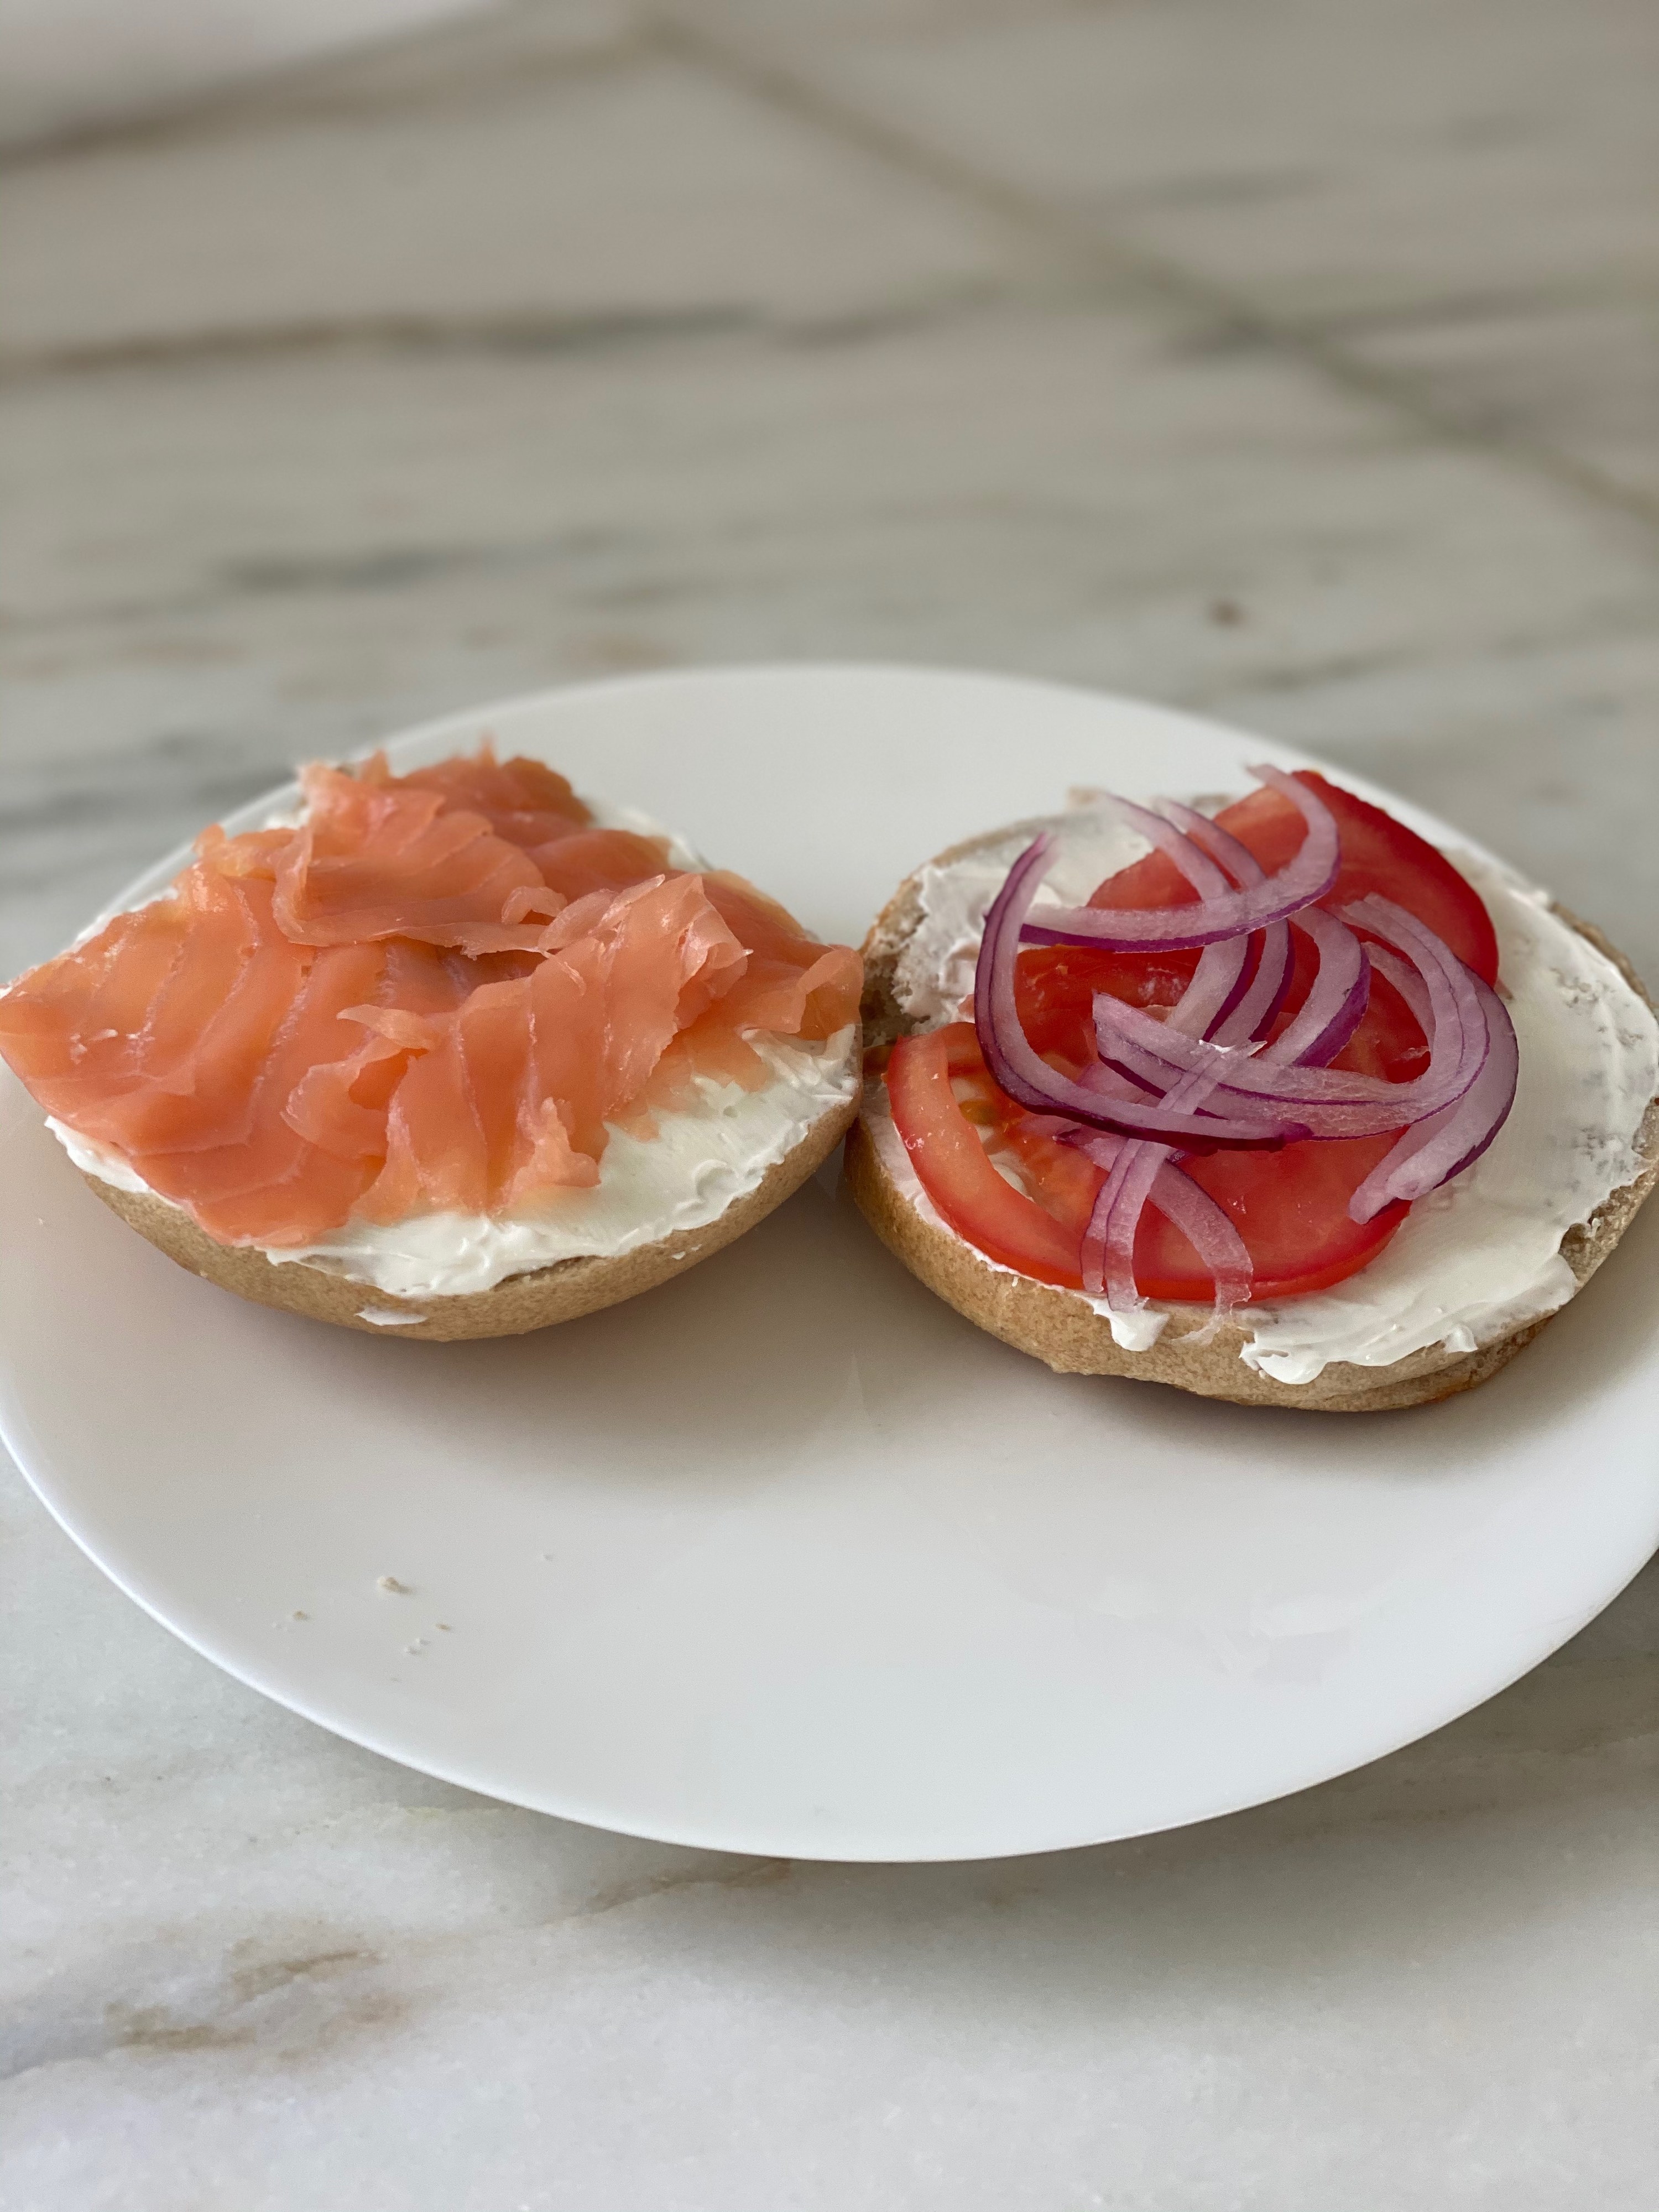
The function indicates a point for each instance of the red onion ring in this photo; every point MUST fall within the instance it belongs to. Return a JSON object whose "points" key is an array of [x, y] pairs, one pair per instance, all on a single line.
{"points": [[1264, 990], [1140, 1169], [1217, 985], [1268, 987], [1306, 876], [1409, 984], [1201, 1085], [1027, 1077], [1437, 1149], [1331, 1103], [1336, 1001], [1222, 974], [1335, 1005], [1201, 1221]]}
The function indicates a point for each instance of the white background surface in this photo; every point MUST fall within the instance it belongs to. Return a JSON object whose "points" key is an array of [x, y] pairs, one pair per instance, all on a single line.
{"points": [[1291, 362]]}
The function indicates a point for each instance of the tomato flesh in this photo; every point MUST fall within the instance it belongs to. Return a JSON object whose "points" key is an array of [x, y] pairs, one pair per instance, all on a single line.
{"points": [[956, 1171], [1377, 854], [1290, 1207]]}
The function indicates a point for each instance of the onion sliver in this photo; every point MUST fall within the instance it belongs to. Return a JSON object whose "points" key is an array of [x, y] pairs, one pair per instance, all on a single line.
{"points": [[1200, 1219], [1330, 1102], [1027, 1077], [1409, 984], [1223, 972], [1201, 1079], [1108, 1252], [1209, 1229], [1253, 1014], [1269, 987], [1219, 983], [1234, 854], [1109, 1241], [1335, 1005], [1190, 854], [1452, 1140], [1141, 1169], [1306, 876]]}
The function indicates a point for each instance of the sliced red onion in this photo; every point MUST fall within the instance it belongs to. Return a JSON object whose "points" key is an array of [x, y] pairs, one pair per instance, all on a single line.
{"points": [[1318, 1117], [1409, 984], [1444, 1141], [1209, 1229], [1028, 1079], [1190, 854], [1109, 1241], [1329, 1102], [1220, 977], [1257, 1007], [1143, 1170], [1092, 1256], [1435, 1150], [1234, 854], [1204, 1225], [1308, 875], [1140, 1169], [1124, 1082], [1456, 997], [1107, 1255], [1336, 1002], [1217, 986], [1200, 1078]]}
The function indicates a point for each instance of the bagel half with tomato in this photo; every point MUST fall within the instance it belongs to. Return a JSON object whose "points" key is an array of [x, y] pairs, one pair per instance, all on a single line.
{"points": [[1266, 1098]]}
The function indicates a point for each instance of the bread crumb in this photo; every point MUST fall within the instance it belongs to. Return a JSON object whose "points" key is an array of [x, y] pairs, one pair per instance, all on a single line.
{"points": [[392, 1587], [444, 1624], [297, 1615]]}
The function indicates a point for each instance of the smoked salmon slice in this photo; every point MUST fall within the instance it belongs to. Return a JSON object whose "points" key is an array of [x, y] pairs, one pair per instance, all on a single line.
{"points": [[441, 991]]}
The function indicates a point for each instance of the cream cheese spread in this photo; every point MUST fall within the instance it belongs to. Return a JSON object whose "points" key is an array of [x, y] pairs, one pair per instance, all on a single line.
{"points": [[1472, 1262], [702, 1158]]}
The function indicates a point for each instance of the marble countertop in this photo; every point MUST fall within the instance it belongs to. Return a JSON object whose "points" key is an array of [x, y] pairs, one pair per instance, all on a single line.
{"points": [[1290, 362]]}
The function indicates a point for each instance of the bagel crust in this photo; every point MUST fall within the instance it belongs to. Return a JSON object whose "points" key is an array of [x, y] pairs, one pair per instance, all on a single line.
{"points": [[513, 1306], [1061, 1327]]}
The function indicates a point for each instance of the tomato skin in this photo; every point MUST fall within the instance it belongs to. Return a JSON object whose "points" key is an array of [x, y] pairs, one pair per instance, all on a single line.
{"points": [[1290, 1205], [957, 1173], [1378, 854], [1294, 1219]]}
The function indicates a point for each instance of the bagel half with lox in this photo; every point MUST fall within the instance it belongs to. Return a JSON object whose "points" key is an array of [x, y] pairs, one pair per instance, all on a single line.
{"points": [[1267, 1099], [443, 1054]]}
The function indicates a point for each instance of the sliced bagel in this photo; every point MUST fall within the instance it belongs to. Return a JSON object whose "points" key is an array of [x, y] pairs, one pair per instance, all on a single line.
{"points": [[513, 1306], [1063, 1327], [442, 1054]]}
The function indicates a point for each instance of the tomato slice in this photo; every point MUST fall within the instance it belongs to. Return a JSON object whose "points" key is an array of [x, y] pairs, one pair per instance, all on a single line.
{"points": [[1378, 854], [1293, 1219], [1290, 1206], [956, 1170]]}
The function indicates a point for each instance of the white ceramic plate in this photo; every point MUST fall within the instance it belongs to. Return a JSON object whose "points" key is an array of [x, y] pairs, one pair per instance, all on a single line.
{"points": [[784, 1557]]}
